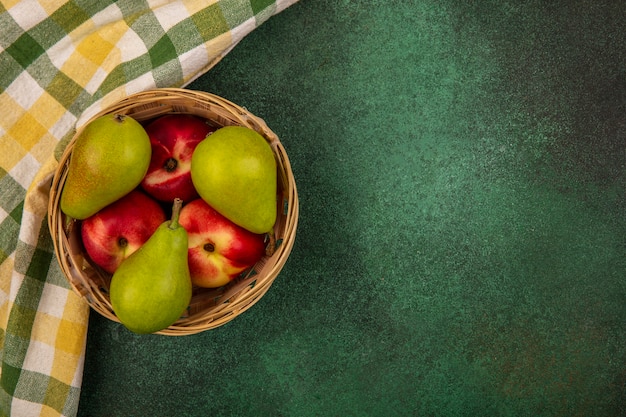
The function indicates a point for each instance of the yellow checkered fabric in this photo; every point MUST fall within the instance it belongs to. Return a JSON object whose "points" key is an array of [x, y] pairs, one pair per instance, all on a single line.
{"points": [[61, 62]]}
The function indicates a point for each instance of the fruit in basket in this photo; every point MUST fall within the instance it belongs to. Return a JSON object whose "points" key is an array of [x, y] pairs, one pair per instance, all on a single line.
{"points": [[219, 250], [109, 159], [173, 138], [234, 170], [118, 230], [152, 288]]}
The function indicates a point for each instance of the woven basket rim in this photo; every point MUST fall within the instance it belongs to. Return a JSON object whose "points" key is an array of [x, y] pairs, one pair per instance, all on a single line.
{"points": [[209, 308]]}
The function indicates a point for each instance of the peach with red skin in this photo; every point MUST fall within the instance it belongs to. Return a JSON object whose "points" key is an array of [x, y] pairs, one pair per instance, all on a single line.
{"points": [[173, 138], [219, 250], [116, 231]]}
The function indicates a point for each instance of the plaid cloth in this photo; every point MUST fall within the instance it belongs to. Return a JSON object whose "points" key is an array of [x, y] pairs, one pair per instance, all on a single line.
{"points": [[60, 62]]}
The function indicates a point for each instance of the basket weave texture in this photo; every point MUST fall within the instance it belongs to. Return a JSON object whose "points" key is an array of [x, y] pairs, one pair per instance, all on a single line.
{"points": [[209, 308]]}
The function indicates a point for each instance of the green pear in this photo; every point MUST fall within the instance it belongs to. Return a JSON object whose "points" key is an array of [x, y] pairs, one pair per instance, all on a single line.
{"points": [[109, 159], [234, 171], [151, 288]]}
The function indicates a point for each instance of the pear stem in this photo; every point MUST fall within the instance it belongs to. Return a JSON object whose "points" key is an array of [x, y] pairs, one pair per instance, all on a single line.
{"points": [[178, 204]]}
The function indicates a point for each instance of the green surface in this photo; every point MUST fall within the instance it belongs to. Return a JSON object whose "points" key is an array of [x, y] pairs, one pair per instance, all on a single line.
{"points": [[460, 250]]}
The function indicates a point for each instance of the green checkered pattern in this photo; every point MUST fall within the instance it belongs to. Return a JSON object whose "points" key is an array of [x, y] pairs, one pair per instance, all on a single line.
{"points": [[61, 62]]}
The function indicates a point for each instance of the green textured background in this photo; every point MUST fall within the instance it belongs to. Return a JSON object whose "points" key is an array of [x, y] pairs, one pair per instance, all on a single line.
{"points": [[461, 248]]}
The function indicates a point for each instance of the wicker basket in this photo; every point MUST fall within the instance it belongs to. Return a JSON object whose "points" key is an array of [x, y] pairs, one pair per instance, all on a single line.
{"points": [[209, 308]]}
